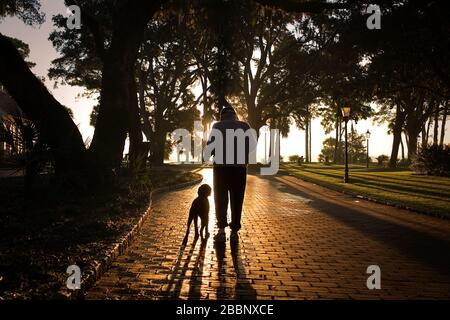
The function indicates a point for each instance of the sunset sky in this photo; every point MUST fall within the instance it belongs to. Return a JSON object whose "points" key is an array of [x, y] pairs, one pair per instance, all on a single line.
{"points": [[42, 53]]}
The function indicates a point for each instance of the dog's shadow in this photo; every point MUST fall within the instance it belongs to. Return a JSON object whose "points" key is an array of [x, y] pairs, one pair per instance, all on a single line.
{"points": [[195, 282], [178, 276]]}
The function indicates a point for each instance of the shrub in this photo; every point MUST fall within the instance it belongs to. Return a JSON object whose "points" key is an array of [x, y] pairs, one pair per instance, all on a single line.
{"points": [[433, 160], [403, 163], [382, 159], [325, 159], [296, 159]]}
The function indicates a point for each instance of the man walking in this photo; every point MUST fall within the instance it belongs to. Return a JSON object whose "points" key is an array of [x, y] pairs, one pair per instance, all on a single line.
{"points": [[230, 169]]}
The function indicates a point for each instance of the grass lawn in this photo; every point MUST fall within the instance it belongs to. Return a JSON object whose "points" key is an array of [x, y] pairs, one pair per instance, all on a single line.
{"points": [[397, 186], [42, 234]]}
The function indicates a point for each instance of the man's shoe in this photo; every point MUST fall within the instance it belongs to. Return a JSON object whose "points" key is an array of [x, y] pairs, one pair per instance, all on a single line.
{"points": [[220, 236], [234, 238]]}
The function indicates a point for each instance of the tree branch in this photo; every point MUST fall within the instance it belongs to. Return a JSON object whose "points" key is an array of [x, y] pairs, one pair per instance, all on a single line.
{"points": [[303, 6], [94, 27]]}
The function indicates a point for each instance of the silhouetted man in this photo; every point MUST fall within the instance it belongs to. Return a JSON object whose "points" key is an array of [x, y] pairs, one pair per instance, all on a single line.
{"points": [[233, 143]]}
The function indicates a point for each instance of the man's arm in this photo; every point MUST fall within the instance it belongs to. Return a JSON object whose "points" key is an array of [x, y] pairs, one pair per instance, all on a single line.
{"points": [[250, 144], [208, 142]]}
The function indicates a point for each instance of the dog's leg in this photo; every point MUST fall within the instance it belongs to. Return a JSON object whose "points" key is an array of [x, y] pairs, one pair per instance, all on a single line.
{"points": [[196, 227], [206, 227], [201, 231]]}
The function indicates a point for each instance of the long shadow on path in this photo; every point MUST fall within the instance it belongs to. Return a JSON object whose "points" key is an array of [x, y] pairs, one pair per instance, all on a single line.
{"points": [[196, 280], [175, 284], [242, 288], [222, 289]]}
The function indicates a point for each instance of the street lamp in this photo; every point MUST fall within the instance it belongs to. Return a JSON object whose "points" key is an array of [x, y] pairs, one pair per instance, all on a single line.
{"points": [[368, 137], [346, 115]]}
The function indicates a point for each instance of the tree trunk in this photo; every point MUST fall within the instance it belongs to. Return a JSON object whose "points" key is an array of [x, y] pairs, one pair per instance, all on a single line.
{"points": [[146, 127], [444, 120], [397, 132], [412, 145], [51, 118], [422, 137], [307, 141], [395, 145], [158, 147], [135, 128], [402, 147], [207, 119], [413, 131], [310, 139], [413, 128], [427, 133], [254, 118], [159, 140], [436, 128], [406, 138], [112, 124], [336, 145]]}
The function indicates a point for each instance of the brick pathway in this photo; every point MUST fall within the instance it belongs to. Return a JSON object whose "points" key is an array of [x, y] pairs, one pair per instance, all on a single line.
{"points": [[299, 241]]}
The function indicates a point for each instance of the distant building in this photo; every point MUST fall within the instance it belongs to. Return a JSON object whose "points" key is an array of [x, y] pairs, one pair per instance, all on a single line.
{"points": [[9, 110]]}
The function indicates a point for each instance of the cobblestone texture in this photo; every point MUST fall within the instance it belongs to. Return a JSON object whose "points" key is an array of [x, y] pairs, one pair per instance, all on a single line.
{"points": [[298, 241]]}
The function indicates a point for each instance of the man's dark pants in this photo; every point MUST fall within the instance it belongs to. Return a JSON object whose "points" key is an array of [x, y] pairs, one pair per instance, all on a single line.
{"points": [[230, 180]]}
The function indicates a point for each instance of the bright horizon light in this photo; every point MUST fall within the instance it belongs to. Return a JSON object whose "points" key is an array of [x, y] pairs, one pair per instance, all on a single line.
{"points": [[42, 53]]}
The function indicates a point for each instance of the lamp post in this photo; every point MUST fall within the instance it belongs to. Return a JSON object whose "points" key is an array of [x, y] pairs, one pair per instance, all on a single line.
{"points": [[346, 115], [368, 137]]}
